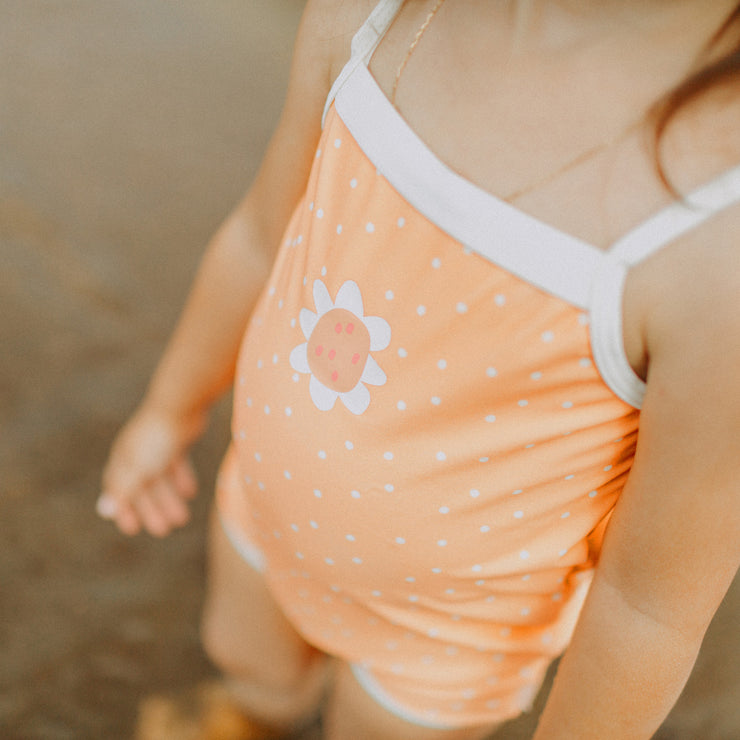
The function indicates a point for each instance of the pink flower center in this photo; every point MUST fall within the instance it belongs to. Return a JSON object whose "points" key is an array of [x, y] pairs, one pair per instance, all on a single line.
{"points": [[338, 350]]}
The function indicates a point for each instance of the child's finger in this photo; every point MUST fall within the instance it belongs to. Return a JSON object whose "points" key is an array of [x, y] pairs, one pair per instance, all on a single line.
{"points": [[126, 519], [171, 504], [153, 519]]}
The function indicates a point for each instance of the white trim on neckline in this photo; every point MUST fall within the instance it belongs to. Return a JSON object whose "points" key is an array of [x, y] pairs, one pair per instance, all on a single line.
{"points": [[542, 255]]}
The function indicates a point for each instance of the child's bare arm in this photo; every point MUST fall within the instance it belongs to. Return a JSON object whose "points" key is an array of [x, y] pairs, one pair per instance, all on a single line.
{"points": [[147, 477], [673, 545]]}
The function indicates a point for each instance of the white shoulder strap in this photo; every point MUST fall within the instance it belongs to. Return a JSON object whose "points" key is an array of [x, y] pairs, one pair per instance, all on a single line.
{"points": [[679, 218], [364, 43]]}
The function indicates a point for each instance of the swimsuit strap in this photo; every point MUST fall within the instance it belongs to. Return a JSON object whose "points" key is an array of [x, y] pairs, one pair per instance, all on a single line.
{"points": [[364, 43], [679, 218], [607, 289]]}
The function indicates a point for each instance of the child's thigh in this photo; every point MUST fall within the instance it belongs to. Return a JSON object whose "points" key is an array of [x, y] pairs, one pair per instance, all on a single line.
{"points": [[352, 714], [244, 632]]}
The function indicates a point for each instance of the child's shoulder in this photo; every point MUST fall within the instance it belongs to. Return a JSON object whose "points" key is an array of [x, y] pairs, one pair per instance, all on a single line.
{"points": [[331, 24]]}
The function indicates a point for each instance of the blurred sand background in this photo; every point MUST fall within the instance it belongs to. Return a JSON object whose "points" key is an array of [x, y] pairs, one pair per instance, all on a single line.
{"points": [[128, 129]]}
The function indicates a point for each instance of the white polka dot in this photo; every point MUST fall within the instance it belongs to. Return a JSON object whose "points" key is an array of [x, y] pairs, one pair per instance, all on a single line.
{"points": [[413, 598], [480, 582], [563, 552], [296, 377], [518, 515], [288, 411], [526, 577], [517, 492], [310, 206], [337, 143], [593, 494], [258, 457], [401, 405], [524, 554], [389, 488], [567, 404], [389, 295], [491, 372], [442, 543], [370, 227], [323, 272], [353, 182], [477, 568], [436, 263], [275, 359], [260, 485], [402, 352], [349, 537], [349, 445], [529, 446], [317, 493], [287, 474], [322, 454], [410, 579], [441, 456], [294, 527], [565, 515], [400, 541], [483, 459], [318, 153], [328, 561], [260, 364], [436, 400], [523, 402], [377, 593], [608, 468], [485, 528], [461, 307], [536, 375], [491, 418], [442, 364], [421, 310], [339, 228], [358, 561], [547, 336], [299, 555], [557, 596], [387, 455], [313, 524], [499, 299], [355, 494], [474, 493], [585, 362], [444, 509], [320, 213], [401, 222], [436, 570]]}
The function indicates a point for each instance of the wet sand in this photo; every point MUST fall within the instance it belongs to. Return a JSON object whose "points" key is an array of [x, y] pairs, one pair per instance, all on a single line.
{"points": [[128, 128]]}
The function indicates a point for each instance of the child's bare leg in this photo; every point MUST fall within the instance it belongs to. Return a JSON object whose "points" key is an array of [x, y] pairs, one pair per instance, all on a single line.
{"points": [[276, 677], [352, 714]]}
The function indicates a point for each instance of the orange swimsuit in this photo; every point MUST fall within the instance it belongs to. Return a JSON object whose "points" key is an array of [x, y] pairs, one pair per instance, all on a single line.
{"points": [[433, 417]]}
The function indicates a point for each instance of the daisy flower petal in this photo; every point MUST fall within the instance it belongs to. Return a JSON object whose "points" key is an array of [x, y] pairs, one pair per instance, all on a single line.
{"points": [[308, 320], [380, 332], [323, 397], [350, 298], [357, 400], [321, 298], [373, 373], [299, 358]]}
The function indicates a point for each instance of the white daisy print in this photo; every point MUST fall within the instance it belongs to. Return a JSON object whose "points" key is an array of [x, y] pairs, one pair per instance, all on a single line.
{"points": [[337, 351]]}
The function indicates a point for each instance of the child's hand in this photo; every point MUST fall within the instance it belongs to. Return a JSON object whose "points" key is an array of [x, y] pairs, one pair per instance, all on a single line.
{"points": [[148, 478]]}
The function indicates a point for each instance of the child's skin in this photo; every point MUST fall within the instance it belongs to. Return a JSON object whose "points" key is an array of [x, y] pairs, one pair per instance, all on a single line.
{"points": [[569, 76]]}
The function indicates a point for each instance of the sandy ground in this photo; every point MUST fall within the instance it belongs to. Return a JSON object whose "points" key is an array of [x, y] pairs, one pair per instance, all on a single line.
{"points": [[128, 128]]}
